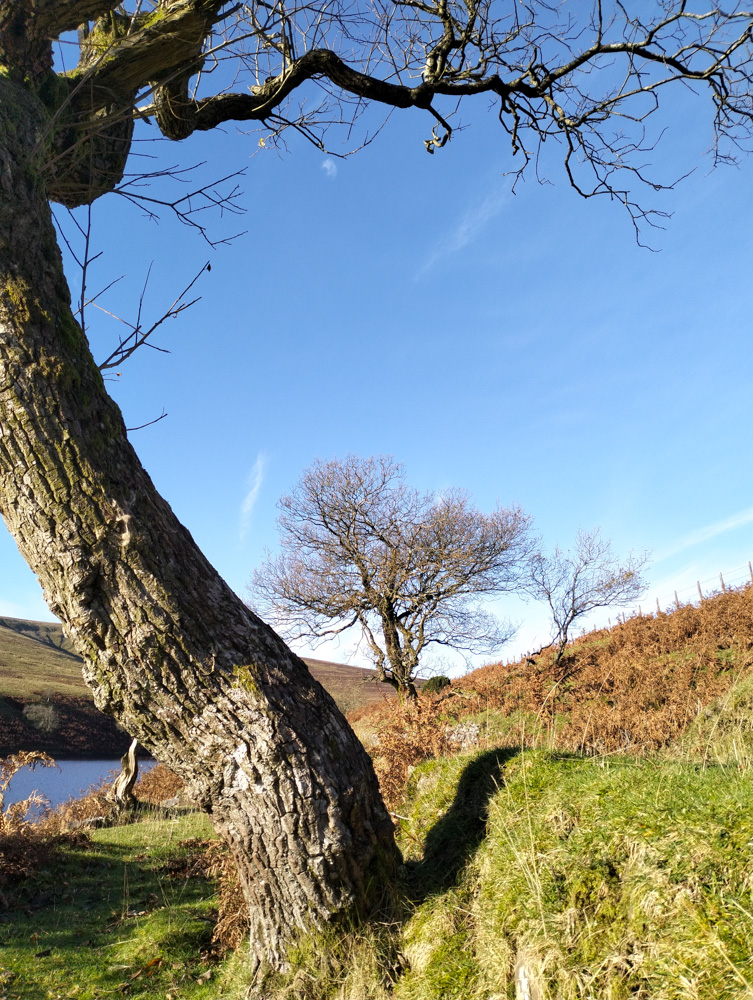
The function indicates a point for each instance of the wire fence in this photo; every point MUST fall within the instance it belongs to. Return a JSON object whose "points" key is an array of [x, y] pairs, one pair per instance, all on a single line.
{"points": [[700, 591], [665, 603], [695, 593]]}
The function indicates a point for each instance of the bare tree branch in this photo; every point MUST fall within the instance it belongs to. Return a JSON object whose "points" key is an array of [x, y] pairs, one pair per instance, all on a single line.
{"points": [[139, 337], [358, 545], [590, 76], [574, 584], [148, 423]]}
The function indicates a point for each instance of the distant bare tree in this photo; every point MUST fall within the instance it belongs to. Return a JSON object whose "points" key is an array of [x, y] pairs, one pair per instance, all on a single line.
{"points": [[361, 548], [573, 584], [42, 716]]}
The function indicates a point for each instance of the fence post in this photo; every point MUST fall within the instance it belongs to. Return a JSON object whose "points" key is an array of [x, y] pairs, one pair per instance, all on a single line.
{"points": [[721, 580], [658, 609], [677, 601], [750, 570], [700, 592]]}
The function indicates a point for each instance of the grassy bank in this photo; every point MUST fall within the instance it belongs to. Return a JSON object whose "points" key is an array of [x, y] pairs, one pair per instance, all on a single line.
{"points": [[128, 913], [601, 878], [538, 865], [595, 878]]}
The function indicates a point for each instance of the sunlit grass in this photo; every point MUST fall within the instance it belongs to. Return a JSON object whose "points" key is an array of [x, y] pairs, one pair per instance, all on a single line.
{"points": [[594, 878], [600, 878], [625, 875], [108, 919], [618, 878]]}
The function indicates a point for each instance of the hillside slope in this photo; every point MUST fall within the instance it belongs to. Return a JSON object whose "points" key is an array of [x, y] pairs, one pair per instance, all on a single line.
{"points": [[681, 678], [634, 687], [38, 666], [531, 871]]}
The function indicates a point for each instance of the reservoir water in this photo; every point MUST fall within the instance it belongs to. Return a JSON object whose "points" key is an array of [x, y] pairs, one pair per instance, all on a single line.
{"points": [[67, 779]]}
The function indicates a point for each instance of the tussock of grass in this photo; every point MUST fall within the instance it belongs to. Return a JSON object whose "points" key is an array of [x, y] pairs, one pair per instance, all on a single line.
{"points": [[617, 879], [597, 879]]}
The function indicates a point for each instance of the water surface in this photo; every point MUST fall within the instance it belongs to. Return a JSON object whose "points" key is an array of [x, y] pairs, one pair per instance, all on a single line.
{"points": [[68, 779]]}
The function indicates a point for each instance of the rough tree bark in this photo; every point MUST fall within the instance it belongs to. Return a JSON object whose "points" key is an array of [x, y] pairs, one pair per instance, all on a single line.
{"points": [[169, 649]]}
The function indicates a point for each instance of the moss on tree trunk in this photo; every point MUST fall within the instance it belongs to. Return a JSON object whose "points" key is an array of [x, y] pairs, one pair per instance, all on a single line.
{"points": [[169, 649]]}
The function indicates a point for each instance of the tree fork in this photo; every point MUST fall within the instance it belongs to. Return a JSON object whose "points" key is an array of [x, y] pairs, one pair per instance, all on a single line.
{"points": [[169, 649]]}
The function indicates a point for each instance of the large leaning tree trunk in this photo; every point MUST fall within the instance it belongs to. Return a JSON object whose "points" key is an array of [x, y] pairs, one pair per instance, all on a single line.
{"points": [[169, 649]]}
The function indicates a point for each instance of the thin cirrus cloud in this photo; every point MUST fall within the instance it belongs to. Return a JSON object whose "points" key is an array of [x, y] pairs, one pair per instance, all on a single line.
{"points": [[329, 167], [255, 479], [468, 227], [738, 520]]}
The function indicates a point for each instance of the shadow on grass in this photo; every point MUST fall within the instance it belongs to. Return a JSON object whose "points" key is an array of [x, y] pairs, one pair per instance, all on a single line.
{"points": [[454, 838], [80, 918]]}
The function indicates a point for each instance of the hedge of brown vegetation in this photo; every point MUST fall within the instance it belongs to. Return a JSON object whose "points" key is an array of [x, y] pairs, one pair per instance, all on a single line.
{"points": [[632, 688]]}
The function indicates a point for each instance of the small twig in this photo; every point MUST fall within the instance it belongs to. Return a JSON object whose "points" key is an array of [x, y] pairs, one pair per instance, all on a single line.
{"points": [[138, 337], [148, 423]]}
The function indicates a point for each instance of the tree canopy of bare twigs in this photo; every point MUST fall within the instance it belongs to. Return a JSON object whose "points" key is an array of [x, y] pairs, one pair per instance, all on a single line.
{"points": [[576, 583], [589, 75], [361, 548]]}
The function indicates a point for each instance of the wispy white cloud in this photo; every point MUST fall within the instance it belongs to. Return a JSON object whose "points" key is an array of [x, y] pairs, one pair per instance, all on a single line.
{"points": [[738, 520], [254, 481], [329, 167], [466, 229]]}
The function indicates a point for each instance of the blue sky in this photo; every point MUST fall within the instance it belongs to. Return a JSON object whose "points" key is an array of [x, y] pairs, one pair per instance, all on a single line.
{"points": [[521, 346]]}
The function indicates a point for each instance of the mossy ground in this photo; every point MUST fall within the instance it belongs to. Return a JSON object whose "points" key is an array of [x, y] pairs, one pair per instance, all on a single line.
{"points": [[593, 877], [108, 919]]}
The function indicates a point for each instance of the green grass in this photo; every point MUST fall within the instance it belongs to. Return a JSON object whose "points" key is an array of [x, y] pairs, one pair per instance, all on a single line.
{"points": [[107, 919], [600, 879], [617, 879]]}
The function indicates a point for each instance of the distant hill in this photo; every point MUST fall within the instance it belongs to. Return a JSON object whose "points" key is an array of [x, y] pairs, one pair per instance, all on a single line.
{"points": [[36, 658], [39, 665]]}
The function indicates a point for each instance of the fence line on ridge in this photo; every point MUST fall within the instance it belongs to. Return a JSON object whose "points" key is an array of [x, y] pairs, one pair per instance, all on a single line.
{"points": [[726, 580], [723, 581]]}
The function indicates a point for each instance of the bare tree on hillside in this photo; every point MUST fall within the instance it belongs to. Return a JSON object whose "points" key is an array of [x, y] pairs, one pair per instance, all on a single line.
{"points": [[169, 649], [362, 549], [575, 583]]}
